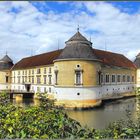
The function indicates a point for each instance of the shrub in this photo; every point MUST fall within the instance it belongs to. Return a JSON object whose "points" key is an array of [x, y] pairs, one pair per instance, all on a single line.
{"points": [[48, 122]]}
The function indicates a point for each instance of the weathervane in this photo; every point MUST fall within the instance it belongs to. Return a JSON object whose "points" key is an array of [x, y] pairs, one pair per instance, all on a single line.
{"points": [[78, 28]]}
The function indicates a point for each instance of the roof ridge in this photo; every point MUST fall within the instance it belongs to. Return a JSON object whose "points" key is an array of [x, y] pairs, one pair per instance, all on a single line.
{"points": [[108, 51]]}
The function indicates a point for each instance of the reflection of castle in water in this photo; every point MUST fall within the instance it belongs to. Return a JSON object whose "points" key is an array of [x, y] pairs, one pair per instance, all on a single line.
{"points": [[20, 101], [111, 111]]}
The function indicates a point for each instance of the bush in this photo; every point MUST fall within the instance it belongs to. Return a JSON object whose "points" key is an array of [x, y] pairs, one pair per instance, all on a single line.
{"points": [[48, 122]]}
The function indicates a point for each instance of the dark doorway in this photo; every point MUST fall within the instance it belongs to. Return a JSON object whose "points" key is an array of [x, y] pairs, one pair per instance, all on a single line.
{"points": [[28, 86]]}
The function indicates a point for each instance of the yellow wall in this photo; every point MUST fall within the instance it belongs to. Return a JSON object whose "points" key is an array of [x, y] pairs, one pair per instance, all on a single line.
{"points": [[66, 72], [138, 76], [3, 75], [121, 71]]}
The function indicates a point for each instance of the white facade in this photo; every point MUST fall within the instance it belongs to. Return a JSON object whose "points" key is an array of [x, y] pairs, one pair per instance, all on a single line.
{"points": [[91, 93], [5, 87]]}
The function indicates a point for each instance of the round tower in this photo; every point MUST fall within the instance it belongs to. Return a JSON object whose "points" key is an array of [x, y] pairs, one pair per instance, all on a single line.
{"points": [[76, 73]]}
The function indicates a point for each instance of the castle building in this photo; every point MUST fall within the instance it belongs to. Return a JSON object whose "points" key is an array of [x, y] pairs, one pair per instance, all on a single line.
{"points": [[78, 75]]}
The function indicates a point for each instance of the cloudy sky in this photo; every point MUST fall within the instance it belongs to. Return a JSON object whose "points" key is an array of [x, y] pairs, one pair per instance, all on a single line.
{"points": [[30, 28]]}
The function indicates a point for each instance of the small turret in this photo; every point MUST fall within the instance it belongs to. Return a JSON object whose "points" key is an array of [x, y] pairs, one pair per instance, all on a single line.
{"points": [[6, 63]]}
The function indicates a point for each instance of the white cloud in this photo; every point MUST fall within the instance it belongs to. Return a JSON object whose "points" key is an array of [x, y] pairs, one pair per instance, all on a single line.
{"points": [[32, 31]]}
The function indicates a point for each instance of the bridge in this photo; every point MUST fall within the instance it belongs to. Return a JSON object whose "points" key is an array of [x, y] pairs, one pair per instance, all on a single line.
{"points": [[26, 94]]}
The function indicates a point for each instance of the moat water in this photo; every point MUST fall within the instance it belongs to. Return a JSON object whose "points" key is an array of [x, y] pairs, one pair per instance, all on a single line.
{"points": [[98, 117]]}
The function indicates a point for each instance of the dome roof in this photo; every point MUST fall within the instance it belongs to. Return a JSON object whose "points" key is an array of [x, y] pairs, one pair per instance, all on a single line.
{"points": [[137, 61], [6, 63], [77, 47]]}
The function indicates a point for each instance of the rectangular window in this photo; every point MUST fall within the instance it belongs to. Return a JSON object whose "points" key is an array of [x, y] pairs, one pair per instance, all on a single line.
{"points": [[22, 79], [38, 80], [128, 78], [107, 78], [38, 71], [132, 78], [56, 75], [32, 71], [123, 78], [26, 72], [44, 70], [29, 72], [118, 78], [25, 78], [50, 90], [38, 89], [13, 79], [45, 90], [18, 79], [45, 79], [50, 70], [7, 79], [50, 79], [102, 78], [18, 72], [32, 80], [78, 77], [29, 79], [113, 79]]}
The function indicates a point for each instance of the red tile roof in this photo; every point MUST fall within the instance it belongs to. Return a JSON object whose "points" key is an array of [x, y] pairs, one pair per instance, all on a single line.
{"points": [[113, 59], [37, 60], [107, 58]]}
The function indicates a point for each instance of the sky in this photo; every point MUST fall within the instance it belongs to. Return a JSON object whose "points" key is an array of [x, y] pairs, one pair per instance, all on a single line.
{"points": [[30, 28]]}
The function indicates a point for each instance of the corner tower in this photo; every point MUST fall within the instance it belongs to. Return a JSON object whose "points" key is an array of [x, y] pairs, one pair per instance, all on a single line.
{"points": [[76, 72], [6, 64]]}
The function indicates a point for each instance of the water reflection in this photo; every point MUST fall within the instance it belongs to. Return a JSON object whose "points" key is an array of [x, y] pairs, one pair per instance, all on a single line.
{"points": [[109, 112], [98, 117], [24, 102]]}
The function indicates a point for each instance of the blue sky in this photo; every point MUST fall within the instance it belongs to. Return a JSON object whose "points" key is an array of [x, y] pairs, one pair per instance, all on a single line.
{"points": [[30, 28]]}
